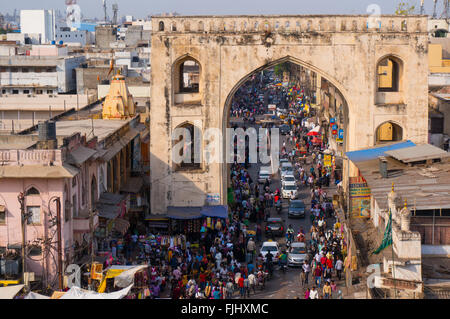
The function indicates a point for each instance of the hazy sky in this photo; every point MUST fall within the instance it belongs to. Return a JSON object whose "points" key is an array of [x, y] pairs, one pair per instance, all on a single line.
{"points": [[141, 8]]}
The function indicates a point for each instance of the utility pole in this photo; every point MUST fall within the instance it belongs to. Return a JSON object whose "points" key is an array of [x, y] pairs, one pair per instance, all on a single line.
{"points": [[58, 227], [434, 9], [91, 228], [21, 200]]}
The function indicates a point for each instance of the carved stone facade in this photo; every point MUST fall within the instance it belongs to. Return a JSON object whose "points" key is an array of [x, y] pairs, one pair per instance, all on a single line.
{"points": [[229, 49]]}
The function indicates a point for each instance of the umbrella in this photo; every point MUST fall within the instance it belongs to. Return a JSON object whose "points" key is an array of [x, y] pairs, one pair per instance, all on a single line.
{"points": [[314, 131]]}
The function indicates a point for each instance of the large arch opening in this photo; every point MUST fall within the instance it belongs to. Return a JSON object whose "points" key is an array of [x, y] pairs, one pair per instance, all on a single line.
{"points": [[388, 132], [289, 92]]}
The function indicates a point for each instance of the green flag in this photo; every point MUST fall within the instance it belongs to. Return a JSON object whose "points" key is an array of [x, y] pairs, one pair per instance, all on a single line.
{"points": [[387, 239]]}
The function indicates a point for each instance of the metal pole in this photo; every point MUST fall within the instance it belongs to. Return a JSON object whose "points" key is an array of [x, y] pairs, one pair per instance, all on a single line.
{"points": [[91, 228], [432, 240], [21, 200], [58, 225], [393, 265], [77, 106]]}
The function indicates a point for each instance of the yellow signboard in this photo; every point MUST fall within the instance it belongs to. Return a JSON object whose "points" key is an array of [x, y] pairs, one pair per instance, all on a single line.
{"points": [[359, 197], [327, 160]]}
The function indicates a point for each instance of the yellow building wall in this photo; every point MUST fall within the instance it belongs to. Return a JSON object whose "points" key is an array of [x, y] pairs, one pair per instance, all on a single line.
{"points": [[435, 61], [385, 81]]}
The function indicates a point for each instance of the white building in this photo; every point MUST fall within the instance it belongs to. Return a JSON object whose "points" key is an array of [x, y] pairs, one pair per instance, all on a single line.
{"points": [[72, 35], [40, 25], [47, 70]]}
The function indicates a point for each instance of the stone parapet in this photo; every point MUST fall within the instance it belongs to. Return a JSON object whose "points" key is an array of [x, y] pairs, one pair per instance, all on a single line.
{"points": [[289, 24]]}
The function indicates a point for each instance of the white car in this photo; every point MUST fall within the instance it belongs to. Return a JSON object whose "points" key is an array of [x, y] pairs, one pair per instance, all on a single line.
{"points": [[289, 190], [286, 169], [288, 178], [263, 176], [271, 246], [296, 254]]}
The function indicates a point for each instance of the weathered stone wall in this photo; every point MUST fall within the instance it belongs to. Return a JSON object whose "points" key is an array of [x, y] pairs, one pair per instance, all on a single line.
{"points": [[229, 49]]}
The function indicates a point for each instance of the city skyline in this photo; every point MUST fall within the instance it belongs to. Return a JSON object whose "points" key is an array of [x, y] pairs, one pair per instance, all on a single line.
{"points": [[93, 9]]}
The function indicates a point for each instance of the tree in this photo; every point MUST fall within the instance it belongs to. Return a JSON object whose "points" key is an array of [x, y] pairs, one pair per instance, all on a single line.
{"points": [[405, 8]]}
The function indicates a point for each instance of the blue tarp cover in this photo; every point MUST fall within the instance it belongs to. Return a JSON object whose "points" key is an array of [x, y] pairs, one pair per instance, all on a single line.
{"points": [[215, 211], [184, 212], [375, 152]]}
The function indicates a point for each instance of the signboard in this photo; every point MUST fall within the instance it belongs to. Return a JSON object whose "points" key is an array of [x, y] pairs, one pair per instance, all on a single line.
{"points": [[334, 127], [359, 197], [213, 198], [334, 132], [272, 107], [340, 138], [332, 120], [327, 160]]}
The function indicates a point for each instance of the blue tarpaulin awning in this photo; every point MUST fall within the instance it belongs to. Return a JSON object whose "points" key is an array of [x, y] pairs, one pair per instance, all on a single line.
{"points": [[184, 212], [220, 211], [375, 152]]}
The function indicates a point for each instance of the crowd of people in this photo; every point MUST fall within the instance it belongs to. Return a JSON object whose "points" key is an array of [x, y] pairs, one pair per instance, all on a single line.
{"points": [[225, 264]]}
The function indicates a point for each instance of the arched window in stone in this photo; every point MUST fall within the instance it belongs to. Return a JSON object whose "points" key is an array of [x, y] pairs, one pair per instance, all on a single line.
{"points": [[186, 148], [389, 74], [388, 132], [266, 26], [161, 26], [404, 25], [32, 191], [187, 76], [308, 25], [343, 25], [33, 204], [174, 27], [287, 25], [256, 25], [354, 25]]}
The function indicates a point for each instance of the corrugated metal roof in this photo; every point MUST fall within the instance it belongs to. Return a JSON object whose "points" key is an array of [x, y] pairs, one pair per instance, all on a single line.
{"points": [[418, 153], [118, 146], [375, 152], [423, 187], [80, 155]]}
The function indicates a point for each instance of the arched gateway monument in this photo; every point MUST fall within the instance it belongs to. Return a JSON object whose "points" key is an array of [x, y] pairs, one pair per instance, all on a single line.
{"points": [[348, 51]]}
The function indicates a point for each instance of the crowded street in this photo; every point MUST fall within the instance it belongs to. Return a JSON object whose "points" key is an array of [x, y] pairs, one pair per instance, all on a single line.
{"points": [[227, 258]]}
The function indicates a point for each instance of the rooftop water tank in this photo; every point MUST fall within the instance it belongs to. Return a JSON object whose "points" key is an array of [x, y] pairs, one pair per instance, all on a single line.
{"points": [[47, 131]]}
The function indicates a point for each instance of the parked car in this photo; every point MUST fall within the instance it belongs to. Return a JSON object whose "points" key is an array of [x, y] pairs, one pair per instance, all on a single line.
{"points": [[296, 254], [271, 246], [275, 225], [297, 208]]}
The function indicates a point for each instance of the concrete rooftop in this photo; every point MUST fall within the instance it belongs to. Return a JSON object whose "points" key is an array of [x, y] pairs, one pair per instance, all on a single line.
{"points": [[424, 187]]}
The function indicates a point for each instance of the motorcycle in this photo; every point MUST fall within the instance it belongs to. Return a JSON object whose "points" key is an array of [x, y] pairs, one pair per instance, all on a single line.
{"points": [[279, 206]]}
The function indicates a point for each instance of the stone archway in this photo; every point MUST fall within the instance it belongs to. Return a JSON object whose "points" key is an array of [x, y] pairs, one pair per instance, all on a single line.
{"points": [[340, 49]]}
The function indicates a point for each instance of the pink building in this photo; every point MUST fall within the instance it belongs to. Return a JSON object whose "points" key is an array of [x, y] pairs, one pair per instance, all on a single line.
{"points": [[42, 176], [77, 170]]}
